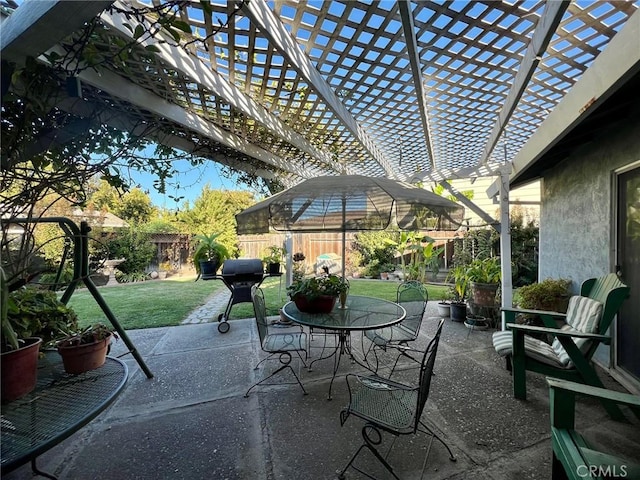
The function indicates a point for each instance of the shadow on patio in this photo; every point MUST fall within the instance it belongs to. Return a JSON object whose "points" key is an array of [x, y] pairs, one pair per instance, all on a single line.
{"points": [[192, 422]]}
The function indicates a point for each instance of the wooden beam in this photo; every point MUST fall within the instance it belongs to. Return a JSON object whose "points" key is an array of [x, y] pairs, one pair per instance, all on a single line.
{"points": [[259, 13], [416, 70], [619, 62], [36, 26], [546, 27], [178, 59], [96, 112], [145, 100]]}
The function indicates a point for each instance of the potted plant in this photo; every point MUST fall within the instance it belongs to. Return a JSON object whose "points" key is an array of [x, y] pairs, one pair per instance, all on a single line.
{"points": [[444, 305], [386, 269], [275, 255], [317, 294], [550, 295], [460, 283], [484, 276], [476, 322], [208, 254], [299, 268], [29, 317], [86, 349]]}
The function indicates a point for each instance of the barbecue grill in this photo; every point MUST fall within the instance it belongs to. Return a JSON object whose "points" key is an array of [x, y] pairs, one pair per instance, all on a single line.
{"points": [[238, 275]]}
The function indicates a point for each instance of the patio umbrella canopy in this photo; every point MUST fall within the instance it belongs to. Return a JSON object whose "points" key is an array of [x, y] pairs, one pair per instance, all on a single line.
{"points": [[350, 203]]}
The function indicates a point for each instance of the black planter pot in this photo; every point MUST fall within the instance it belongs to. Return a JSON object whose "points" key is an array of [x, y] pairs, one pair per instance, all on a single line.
{"points": [[273, 268], [458, 312], [208, 268]]}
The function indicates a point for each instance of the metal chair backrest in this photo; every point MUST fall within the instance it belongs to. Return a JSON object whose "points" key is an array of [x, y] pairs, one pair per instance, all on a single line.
{"points": [[413, 297], [426, 371], [260, 310]]}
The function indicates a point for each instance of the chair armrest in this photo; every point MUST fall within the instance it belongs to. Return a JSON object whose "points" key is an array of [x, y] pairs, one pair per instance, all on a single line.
{"points": [[534, 312], [559, 333], [594, 392]]}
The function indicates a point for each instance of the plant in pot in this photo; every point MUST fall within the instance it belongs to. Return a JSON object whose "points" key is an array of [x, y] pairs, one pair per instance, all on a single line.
{"points": [[86, 349], [318, 294], [274, 257], [550, 295], [484, 276], [30, 319], [208, 254], [444, 305], [386, 269], [460, 283], [299, 268]]}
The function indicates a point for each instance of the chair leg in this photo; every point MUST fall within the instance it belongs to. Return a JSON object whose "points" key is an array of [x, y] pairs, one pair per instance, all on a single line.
{"points": [[434, 435], [285, 360], [402, 354], [370, 443]]}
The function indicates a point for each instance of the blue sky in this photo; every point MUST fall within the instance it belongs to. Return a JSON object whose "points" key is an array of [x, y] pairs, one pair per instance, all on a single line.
{"points": [[188, 183]]}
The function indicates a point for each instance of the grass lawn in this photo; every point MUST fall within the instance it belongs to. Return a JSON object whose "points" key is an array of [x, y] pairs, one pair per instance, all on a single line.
{"points": [[168, 302], [145, 304], [275, 296]]}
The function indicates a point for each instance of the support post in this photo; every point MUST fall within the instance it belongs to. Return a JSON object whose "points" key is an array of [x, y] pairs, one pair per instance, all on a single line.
{"points": [[505, 244]]}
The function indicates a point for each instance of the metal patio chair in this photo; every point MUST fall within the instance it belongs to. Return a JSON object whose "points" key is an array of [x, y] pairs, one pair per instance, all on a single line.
{"points": [[278, 345], [392, 407], [413, 296]]}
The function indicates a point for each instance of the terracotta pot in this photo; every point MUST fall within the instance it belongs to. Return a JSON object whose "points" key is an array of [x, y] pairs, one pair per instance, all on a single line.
{"points": [[82, 358], [321, 304], [484, 294], [20, 370]]}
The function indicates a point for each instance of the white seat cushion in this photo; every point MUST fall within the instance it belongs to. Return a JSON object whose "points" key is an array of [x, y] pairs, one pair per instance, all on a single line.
{"points": [[534, 348], [583, 315]]}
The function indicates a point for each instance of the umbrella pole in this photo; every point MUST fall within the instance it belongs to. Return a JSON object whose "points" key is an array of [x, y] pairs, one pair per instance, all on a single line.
{"points": [[344, 253]]}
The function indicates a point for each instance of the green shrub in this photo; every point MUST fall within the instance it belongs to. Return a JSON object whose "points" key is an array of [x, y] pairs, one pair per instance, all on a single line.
{"points": [[550, 294], [135, 247]]}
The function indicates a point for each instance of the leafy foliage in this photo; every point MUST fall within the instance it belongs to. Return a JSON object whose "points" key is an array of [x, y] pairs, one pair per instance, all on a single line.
{"points": [[375, 249], [546, 295], [134, 246], [314, 287], [208, 248], [87, 335], [38, 313]]}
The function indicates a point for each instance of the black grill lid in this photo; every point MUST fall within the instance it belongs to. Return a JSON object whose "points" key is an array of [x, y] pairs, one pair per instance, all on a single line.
{"points": [[242, 266]]}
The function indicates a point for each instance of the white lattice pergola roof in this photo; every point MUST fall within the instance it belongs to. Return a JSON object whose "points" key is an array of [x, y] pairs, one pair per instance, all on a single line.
{"points": [[296, 89]]}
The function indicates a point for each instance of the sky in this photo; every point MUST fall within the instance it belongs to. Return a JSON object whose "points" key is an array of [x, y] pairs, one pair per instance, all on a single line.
{"points": [[188, 183]]}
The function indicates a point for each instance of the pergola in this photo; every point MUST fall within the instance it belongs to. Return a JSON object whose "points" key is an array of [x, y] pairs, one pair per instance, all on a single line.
{"points": [[408, 90], [288, 90]]}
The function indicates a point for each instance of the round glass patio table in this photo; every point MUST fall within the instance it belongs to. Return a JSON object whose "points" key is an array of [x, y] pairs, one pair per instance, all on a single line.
{"points": [[59, 406], [360, 313]]}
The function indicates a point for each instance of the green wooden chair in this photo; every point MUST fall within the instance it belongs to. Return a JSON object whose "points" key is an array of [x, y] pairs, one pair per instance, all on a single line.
{"points": [[584, 327], [573, 457]]}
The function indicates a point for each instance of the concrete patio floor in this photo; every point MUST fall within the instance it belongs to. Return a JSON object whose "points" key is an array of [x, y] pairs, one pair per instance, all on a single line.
{"points": [[191, 420]]}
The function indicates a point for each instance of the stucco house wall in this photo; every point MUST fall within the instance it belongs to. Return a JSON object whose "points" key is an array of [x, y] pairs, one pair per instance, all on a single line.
{"points": [[577, 217]]}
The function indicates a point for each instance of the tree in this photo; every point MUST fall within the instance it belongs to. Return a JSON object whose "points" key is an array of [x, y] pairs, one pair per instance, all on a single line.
{"points": [[134, 207], [214, 211]]}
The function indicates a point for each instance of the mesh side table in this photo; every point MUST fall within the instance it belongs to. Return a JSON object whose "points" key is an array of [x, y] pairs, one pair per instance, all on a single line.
{"points": [[59, 406]]}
